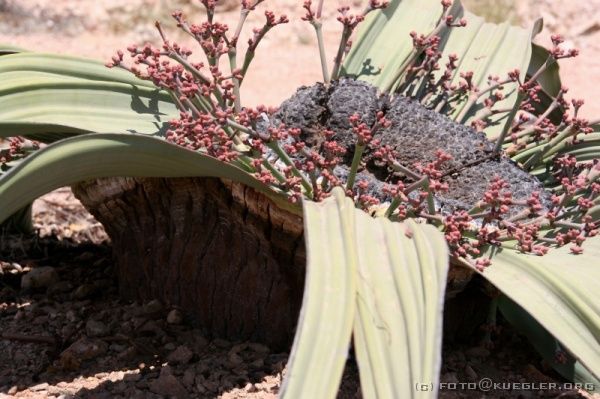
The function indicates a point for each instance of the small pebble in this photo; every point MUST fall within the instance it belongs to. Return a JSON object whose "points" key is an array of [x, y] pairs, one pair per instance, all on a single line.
{"points": [[39, 277], [84, 291], [95, 328], [181, 355], [174, 317], [477, 351], [470, 373]]}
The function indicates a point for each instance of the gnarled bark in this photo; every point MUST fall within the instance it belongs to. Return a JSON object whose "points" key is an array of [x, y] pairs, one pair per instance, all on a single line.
{"points": [[224, 253]]}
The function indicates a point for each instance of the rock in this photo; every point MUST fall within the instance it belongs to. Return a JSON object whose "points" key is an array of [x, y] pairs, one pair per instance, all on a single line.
{"points": [[40, 277], [56, 391], [39, 387], [86, 348], [103, 395], [250, 388], [188, 377], [132, 377], [127, 354], [181, 355], [449, 377], [40, 320], [142, 384], [138, 322], [71, 316], [60, 287], [238, 348], [84, 291], [533, 374], [95, 328], [471, 374], [168, 385], [200, 387], [115, 347], [235, 359], [174, 317], [20, 315], [260, 348], [460, 357], [170, 346], [119, 387], [211, 386], [152, 307], [477, 351], [103, 283], [141, 394], [221, 343], [269, 384], [198, 342], [151, 326]]}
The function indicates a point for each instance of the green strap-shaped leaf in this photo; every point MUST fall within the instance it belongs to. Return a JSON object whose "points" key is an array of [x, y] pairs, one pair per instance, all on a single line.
{"points": [[67, 66], [383, 44], [40, 131], [549, 80], [34, 102], [560, 291], [384, 282], [93, 156], [47, 97], [324, 330], [400, 300], [7, 49], [587, 149]]}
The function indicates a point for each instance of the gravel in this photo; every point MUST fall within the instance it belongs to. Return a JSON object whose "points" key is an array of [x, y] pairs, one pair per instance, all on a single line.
{"points": [[104, 347]]}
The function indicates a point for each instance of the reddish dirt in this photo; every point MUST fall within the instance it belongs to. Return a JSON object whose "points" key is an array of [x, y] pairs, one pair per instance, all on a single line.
{"points": [[579, 23]]}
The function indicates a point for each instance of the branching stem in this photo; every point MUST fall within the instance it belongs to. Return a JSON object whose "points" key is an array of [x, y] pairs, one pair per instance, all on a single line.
{"points": [[358, 152], [322, 54], [274, 145]]}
